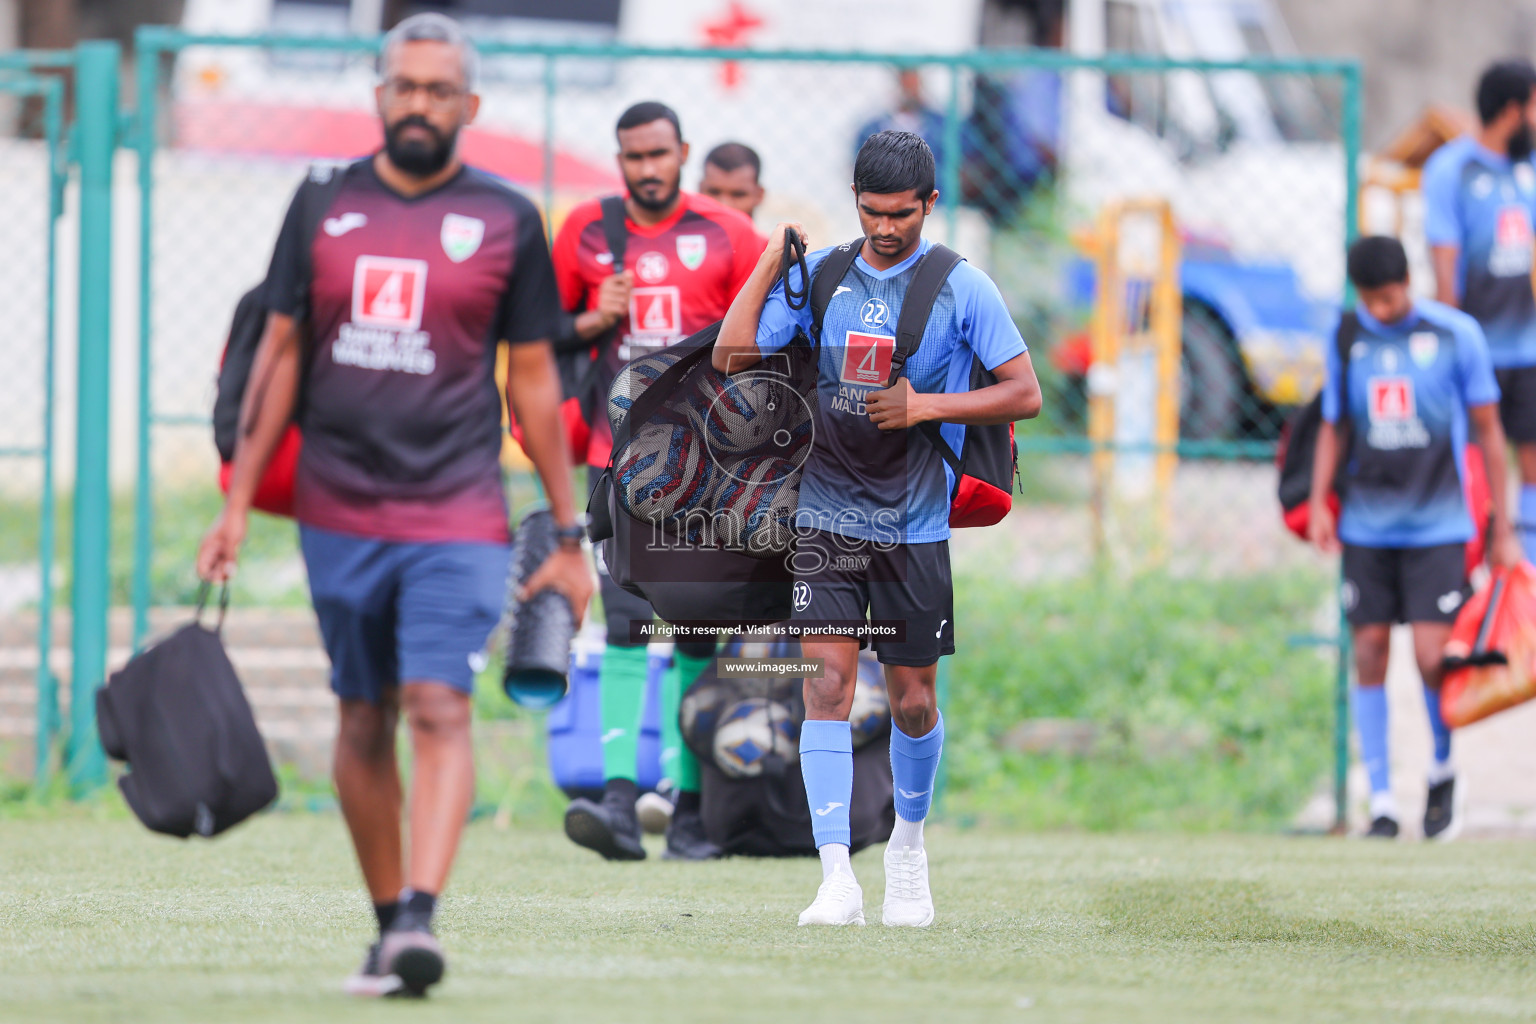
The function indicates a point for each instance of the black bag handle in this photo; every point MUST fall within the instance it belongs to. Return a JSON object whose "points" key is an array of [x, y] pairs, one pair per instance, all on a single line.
{"points": [[203, 590], [794, 253], [615, 230]]}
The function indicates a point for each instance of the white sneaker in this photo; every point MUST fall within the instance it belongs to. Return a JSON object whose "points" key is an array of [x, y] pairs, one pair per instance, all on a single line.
{"points": [[908, 903], [839, 901]]}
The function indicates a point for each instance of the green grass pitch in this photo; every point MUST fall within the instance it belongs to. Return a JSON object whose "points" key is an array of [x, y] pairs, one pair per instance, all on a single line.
{"points": [[100, 921]]}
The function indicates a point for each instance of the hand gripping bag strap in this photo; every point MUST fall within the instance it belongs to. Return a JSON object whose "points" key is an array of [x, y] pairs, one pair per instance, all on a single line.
{"points": [[916, 307]]}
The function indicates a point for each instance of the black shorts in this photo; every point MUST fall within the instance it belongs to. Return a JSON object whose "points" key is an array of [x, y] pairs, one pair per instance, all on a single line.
{"points": [[1517, 402], [841, 581], [1404, 584]]}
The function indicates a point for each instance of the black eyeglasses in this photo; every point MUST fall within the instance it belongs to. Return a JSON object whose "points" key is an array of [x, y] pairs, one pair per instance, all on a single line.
{"points": [[399, 91]]}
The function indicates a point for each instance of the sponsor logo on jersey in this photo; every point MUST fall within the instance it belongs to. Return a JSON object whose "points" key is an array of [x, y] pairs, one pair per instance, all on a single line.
{"points": [[867, 359], [388, 292], [384, 333], [1391, 398], [691, 250], [338, 226], [656, 312], [1424, 348], [874, 314], [462, 236], [1510, 255], [652, 267], [1393, 415]]}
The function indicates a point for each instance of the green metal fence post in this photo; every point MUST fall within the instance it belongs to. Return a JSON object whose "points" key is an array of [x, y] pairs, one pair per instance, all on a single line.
{"points": [[47, 688], [1350, 127], [950, 186], [96, 82], [147, 68]]}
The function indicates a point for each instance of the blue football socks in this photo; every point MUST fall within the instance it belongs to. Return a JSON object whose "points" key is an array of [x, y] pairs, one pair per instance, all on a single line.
{"points": [[1528, 521], [826, 766], [1370, 707], [914, 766], [1437, 726]]}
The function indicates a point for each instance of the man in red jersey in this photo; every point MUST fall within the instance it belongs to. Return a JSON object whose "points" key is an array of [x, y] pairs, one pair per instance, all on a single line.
{"points": [[685, 258], [390, 314]]}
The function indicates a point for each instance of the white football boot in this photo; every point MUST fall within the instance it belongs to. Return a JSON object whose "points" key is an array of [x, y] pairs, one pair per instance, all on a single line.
{"points": [[839, 901], [908, 903]]}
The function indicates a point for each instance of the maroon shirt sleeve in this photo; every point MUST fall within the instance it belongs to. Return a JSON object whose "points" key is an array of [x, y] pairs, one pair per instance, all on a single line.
{"points": [[530, 308]]}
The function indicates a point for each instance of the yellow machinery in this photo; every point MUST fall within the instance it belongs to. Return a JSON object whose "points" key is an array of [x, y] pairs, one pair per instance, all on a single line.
{"points": [[1133, 383]]}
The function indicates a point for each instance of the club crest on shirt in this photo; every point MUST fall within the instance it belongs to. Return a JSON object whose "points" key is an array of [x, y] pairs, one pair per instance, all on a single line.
{"points": [[462, 236], [691, 250], [1424, 347], [652, 267], [1525, 177]]}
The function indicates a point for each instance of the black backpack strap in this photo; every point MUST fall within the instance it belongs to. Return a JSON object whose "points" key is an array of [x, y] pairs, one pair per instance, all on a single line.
{"points": [[315, 200], [828, 276], [1344, 341], [917, 304], [615, 231]]}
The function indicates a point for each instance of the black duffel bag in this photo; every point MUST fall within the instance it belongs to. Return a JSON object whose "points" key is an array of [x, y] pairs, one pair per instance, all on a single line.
{"points": [[178, 715], [745, 733]]}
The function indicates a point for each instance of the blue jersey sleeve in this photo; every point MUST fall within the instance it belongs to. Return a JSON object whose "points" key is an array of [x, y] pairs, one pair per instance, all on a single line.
{"points": [[985, 322], [1473, 364], [776, 327], [1331, 374], [1442, 213]]}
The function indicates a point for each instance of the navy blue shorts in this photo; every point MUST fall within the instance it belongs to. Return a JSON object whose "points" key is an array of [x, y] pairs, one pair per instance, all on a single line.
{"points": [[392, 611]]}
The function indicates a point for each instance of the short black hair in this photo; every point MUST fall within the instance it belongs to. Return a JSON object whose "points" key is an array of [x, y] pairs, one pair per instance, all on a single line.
{"points": [[644, 113], [1377, 260], [890, 162], [1508, 81], [730, 155]]}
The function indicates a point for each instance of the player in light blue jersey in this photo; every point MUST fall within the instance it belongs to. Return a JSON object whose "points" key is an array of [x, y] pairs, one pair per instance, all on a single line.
{"points": [[1479, 197], [873, 518], [1417, 372]]}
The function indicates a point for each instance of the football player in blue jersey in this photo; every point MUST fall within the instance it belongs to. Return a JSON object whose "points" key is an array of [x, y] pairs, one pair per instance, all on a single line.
{"points": [[1417, 371], [1479, 194], [873, 518]]}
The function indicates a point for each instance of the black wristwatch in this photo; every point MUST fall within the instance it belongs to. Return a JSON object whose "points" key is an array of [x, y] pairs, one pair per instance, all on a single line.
{"points": [[572, 536]]}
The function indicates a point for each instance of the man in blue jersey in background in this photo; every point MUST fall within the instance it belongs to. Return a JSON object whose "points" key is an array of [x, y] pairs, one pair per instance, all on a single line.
{"points": [[1479, 194], [1418, 371], [873, 518]]}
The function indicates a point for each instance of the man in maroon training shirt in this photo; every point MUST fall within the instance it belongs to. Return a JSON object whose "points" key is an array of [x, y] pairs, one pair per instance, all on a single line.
{"points": [[391, 315], [685, 258]]}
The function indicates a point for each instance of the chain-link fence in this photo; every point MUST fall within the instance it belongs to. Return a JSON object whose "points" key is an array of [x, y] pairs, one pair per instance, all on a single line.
{"points": [[31, 196], [1169, 236]]}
